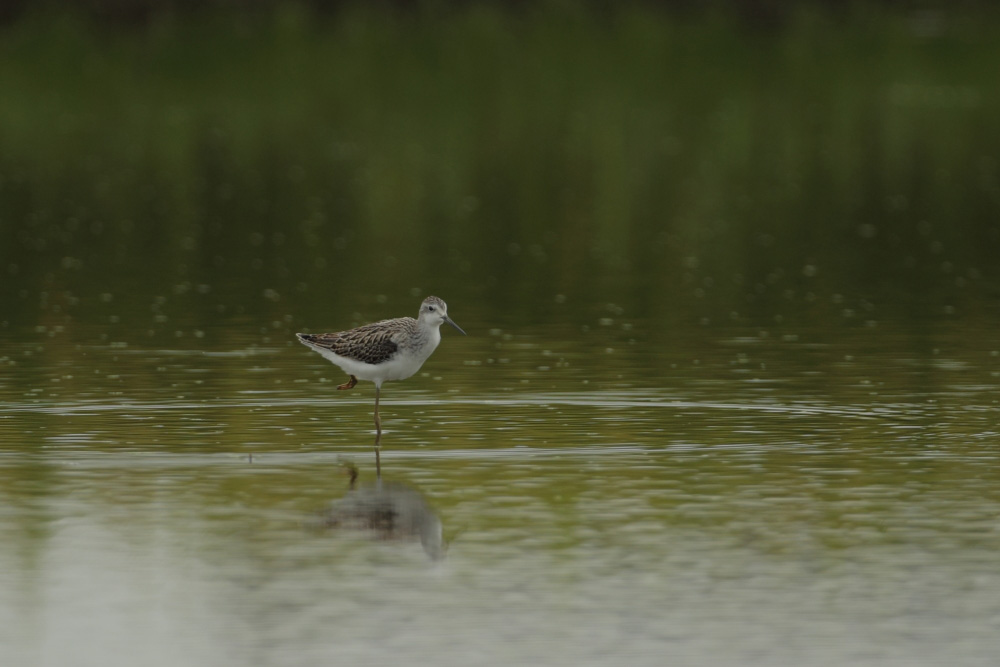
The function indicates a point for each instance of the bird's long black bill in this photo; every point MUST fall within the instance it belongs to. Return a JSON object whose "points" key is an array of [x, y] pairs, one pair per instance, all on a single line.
{"points": [[452, 323]]}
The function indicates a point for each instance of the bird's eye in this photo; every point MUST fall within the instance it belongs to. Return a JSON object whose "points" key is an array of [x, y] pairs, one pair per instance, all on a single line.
{"points": [[431, 308]]}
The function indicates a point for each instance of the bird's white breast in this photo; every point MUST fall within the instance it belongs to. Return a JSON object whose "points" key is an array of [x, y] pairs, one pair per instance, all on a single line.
{"points": [[402, 365]]}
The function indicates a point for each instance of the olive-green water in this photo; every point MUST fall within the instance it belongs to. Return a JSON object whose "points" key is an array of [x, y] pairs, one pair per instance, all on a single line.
{"points": [[730, 393]]}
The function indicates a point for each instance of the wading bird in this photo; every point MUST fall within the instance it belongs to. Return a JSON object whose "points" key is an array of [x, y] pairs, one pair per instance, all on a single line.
{"points": [[381, 351]]}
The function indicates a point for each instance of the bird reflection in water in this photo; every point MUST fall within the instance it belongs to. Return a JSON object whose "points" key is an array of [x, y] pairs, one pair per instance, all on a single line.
{"points": [[389, 511]]}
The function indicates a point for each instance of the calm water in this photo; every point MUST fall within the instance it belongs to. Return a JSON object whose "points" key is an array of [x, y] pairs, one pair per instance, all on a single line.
{"points": [[819, 499], [730, 394]]}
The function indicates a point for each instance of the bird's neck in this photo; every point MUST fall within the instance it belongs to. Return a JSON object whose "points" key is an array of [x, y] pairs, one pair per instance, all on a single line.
{"points": [[428, 333]]}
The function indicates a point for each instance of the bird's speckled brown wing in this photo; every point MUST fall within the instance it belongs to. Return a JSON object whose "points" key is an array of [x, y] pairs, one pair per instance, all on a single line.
{"points": [[371, 344]]}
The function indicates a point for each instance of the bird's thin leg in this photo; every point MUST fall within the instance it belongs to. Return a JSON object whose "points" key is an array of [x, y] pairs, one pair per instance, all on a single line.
{"points": [[378, 436], [349, 384]]}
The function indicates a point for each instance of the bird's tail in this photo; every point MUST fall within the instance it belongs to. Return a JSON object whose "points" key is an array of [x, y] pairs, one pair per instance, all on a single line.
{"points": [[306, 339]]}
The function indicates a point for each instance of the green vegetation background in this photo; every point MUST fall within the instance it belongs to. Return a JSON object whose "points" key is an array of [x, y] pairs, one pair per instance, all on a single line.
{"points": [[694, 168]]}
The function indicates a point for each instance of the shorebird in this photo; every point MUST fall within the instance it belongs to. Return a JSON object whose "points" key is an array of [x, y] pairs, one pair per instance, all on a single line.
{"points": [[387, 350]]}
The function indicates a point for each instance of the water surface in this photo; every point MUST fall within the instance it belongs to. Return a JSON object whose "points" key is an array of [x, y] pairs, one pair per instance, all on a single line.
{"points": [[818, 500], [729, 394]]}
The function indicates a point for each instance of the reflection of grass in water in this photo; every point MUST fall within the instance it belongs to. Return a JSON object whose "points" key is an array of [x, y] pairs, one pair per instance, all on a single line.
{"points": [[521, 150]]}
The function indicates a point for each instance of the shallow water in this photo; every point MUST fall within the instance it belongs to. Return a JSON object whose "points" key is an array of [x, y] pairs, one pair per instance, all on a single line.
{"points": [[781, 501], [729, 394]]}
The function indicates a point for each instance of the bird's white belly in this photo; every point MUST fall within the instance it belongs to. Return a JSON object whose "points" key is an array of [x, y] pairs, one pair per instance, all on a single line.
{"points": [[399, 367]]}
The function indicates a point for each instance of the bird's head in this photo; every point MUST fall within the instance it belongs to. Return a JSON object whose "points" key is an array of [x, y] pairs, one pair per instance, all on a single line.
{"points": [[434, 312]]}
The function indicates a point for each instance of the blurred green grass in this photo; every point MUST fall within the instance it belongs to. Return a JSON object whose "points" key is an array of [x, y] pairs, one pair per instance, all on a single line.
{"points": [[678, 164]]}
